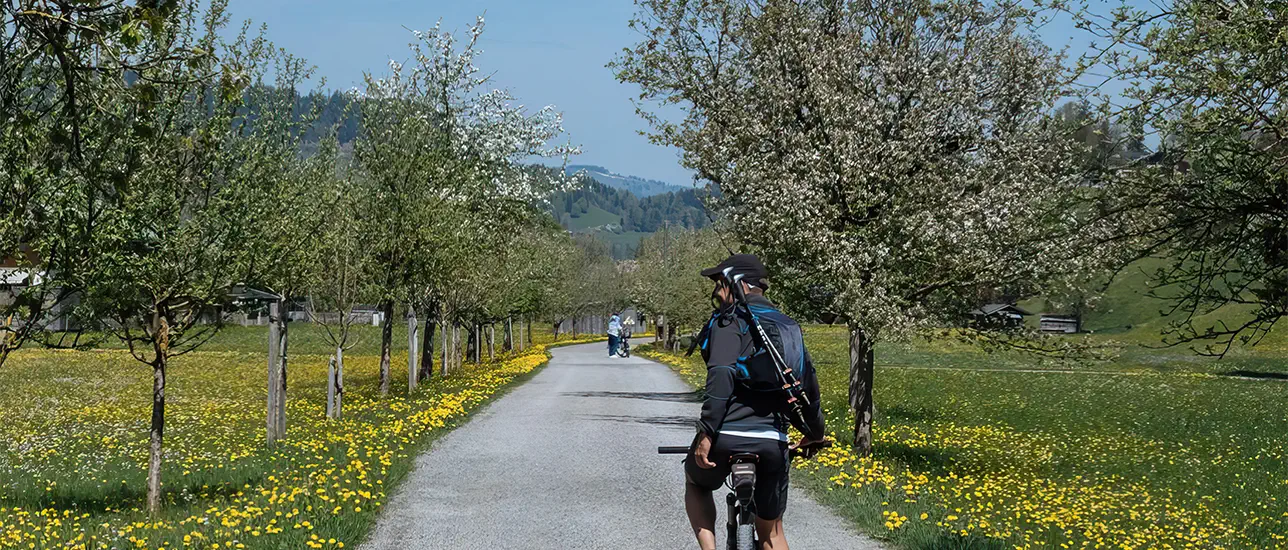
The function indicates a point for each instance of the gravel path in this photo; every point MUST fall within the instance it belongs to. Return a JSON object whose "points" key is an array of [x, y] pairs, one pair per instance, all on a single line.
{"points": [[568, 460]]}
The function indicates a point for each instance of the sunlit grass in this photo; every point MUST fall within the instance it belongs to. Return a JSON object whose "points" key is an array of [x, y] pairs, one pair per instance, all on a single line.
{"points": [[1154, 449], [73, 448]]}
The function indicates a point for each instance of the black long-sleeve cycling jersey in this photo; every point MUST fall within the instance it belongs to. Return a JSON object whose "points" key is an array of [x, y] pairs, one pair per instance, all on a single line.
{"points": [[729, 408]]}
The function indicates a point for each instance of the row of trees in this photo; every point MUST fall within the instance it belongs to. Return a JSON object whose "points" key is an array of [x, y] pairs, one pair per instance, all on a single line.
{"points": [[665, 281], [152, 161], [891, 159]]}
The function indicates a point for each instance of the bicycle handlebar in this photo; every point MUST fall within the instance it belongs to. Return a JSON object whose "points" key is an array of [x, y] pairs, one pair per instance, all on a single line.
{"points": [[816, 445]]}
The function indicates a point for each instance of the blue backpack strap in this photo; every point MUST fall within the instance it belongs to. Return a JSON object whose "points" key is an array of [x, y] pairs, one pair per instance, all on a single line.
{"points": [[705, 335]]}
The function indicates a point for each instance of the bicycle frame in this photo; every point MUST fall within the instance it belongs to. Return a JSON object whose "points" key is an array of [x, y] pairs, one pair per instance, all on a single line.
{"points": [[742, 484]]}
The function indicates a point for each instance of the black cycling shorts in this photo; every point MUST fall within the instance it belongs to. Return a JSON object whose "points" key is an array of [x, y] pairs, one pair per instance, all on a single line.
{"points": [[771, 471]]}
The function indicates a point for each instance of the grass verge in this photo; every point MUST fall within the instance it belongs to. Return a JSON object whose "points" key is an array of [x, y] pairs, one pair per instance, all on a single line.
{"points": [[73, 449], [1152, 450]]}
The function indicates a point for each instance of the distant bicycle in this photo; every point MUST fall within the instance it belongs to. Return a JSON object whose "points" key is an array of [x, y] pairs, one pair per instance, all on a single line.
{"points": [[741, 524], [624, 344]]}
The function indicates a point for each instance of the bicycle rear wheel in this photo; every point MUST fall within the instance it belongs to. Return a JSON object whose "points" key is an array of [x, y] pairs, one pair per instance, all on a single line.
{"points": [[746, 537]]}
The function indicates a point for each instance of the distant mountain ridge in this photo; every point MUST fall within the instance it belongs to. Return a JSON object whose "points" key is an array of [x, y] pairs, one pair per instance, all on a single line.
{"points": [[640, 187], [619, 216]]}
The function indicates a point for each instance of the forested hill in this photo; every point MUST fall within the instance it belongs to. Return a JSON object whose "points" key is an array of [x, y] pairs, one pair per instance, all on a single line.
{"points": [[621, 218], [639, 186], [620, 209]]}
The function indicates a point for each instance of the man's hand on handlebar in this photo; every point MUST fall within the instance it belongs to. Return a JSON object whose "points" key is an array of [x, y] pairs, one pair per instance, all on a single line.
{"points": [[807, 448], [701, 451]]}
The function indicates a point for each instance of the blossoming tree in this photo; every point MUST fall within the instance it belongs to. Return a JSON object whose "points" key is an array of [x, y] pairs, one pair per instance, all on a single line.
{"points": [[438, 155], [894, 155], [666, 282], [1206, 79]]}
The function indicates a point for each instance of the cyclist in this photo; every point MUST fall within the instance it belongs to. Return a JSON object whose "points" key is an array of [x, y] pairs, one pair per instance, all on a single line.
{"points": [[736, 419], [614, 333]]}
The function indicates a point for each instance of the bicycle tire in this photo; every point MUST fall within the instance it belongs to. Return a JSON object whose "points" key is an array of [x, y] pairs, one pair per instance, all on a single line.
{"points": [[746, 536]]}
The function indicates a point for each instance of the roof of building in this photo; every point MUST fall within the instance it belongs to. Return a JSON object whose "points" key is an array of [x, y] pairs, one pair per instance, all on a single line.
{"points": [[991, 309], [241, 292], [1059, 317], [13, 276]]}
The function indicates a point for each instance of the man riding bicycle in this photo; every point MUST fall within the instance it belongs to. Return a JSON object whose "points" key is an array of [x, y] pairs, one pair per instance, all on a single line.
{"points": [[736, 418]]}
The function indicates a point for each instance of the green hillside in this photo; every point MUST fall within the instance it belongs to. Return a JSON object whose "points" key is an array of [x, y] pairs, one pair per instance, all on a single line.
{"points": [[594, 217], [1126, 303], [621, 218], [1126, 311]]}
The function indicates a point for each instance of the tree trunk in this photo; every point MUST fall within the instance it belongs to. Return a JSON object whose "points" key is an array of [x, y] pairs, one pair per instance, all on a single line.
{"points": [[471, 343], [339, 382], [413, 325], [478, 343], [386, 340], [508, 344], [861, 370], [459, 350], [427, 347], [274, 370], [456, 345], [447, 331], [427, 344], [156, 433], [491, 342], [528, 333]]}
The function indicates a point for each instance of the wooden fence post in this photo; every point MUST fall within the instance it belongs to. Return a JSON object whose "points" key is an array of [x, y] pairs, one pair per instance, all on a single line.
{"points": [[330, 388], [283, 355], [270, 410], [412, 342]]}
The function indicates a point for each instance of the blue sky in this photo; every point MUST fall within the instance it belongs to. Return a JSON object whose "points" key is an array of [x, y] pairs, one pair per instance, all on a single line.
{"points": [[545, 52]]}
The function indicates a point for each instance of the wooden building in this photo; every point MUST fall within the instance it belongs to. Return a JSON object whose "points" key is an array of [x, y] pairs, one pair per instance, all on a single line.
{"points": [[998, 316]]}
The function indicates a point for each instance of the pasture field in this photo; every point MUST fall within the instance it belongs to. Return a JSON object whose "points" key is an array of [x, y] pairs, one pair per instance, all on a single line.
{"points": [[73, 445], [1155, 448]]}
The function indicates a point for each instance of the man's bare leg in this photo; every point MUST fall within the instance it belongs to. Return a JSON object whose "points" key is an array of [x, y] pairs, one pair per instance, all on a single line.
{"points": [[701, 508], [771, 534]]}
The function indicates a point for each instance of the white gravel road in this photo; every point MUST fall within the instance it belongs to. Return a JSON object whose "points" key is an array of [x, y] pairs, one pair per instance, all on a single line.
{"points": [[568, 461]]}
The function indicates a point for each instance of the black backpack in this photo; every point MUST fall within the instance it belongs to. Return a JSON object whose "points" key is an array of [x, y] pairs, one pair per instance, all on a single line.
{"points": [[758, 372]]}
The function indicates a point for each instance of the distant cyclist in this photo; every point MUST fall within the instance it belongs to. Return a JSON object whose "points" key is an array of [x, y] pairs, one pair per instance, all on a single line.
{"points": [[614, 333], [736, 417]]}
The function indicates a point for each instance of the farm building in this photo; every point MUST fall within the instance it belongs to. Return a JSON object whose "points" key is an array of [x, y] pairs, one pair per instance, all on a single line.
{"points": [[18, 275], [1061, 324], [998, 315]]}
